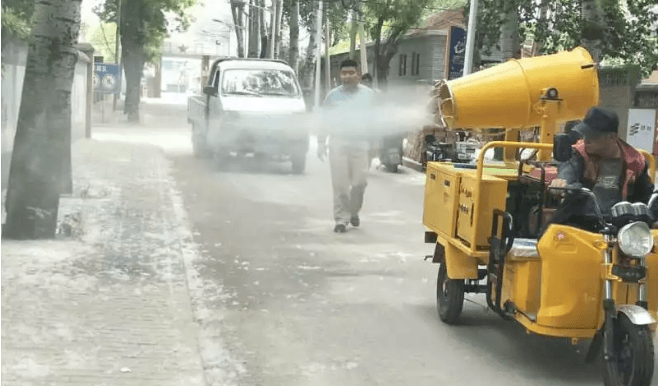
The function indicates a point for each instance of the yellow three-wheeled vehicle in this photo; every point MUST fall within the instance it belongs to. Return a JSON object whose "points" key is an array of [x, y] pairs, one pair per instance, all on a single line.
{"points": [[492, 230]]}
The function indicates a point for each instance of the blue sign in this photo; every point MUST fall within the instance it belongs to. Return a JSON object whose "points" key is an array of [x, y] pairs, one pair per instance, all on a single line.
{"points": [[107, 78], [457, 48]]}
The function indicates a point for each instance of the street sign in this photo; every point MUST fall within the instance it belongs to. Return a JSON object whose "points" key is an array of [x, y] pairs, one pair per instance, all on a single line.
{"points": [[456, 54], [107, 78], [641, 128]]}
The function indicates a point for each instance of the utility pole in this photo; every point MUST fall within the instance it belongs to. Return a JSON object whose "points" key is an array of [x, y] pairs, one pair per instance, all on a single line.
{"points": [[471, 33], [116, 53], [319, 31]]}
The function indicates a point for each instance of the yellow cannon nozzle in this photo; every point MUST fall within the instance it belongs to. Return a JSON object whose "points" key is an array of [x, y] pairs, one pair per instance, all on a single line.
{"points": [[446, 104], [508, 95]]}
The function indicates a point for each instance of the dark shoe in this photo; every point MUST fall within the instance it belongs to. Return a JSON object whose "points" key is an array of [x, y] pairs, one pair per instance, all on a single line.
{"points": [[340, 228], [354, 221]]}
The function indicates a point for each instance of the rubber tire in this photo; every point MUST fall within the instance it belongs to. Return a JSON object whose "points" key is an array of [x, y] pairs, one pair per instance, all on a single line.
{"points": [[221, 157], [640, 339], [199, 147], [449, 303], [392, 168], [298, 163]]}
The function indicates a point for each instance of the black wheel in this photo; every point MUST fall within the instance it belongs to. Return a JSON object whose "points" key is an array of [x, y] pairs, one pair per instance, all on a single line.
{"points": [[392, 168], [450, 296], [298, 163], [221, 158], [199, 146], [634, 355]]}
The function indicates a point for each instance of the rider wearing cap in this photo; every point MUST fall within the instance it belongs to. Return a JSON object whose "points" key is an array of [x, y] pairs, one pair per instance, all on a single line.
{"points": [[605, 164]]}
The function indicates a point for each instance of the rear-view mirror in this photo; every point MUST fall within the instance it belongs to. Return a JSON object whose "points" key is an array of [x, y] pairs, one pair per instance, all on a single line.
{"points": [[210, 90]]}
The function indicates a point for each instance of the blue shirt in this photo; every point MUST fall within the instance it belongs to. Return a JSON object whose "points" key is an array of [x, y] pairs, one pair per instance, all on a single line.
{"points": [[348, 114]]}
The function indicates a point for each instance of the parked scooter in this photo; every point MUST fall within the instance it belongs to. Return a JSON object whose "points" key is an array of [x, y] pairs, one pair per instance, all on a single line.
{"points": [[389, 147], [390, 152]]}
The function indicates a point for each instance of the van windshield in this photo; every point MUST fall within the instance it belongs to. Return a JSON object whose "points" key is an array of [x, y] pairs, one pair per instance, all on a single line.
{"points": [[260, 82]]}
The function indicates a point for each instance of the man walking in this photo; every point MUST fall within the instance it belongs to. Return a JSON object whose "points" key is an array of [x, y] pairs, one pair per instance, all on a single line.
{"points": [[347, 123]]}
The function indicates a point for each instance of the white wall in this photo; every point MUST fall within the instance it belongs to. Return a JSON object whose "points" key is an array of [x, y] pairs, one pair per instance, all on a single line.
{"points": [[14, 58]]}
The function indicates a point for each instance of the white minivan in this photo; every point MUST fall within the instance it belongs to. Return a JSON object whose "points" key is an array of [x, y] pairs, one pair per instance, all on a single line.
{"points": [[250, 106]]}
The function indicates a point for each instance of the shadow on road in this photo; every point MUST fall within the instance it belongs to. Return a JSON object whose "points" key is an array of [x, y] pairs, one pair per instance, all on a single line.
{"points": [[510, 347]]}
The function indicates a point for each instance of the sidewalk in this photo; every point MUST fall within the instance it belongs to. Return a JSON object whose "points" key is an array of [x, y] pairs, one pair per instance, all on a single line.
{"points": [[111, 304]]}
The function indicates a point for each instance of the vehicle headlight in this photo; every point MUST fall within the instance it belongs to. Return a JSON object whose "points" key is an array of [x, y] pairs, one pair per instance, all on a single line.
{"points": [[635, 239]]}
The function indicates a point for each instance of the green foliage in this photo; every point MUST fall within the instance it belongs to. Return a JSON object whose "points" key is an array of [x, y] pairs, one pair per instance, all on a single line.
{"points": [[437, 6], [15, 21], [156, 26], [14, 25], [103, 37], [626, 31], [337, 15], [387, 21], [21, 8]]}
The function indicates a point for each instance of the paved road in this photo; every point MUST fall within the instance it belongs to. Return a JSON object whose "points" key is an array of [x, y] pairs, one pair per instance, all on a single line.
{"points": [[300, 305]]}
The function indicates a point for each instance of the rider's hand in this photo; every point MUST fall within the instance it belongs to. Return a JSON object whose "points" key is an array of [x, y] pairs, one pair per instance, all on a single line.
{"points": [[557, 183], [322, 151]]}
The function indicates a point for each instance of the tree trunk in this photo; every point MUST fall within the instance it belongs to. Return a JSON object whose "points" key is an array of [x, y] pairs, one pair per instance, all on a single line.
{"points": [[353, 35], [510, 45], [593, 19], [271, 34], [380, 72], [308, 69], [278, 16], [237, 10], [294, 50], [254, 31], [132, 44], [44, 122], [263, 25]]}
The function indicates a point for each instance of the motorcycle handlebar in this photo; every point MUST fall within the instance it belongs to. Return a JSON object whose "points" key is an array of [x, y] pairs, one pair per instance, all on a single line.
{"points": [[578, 188]]}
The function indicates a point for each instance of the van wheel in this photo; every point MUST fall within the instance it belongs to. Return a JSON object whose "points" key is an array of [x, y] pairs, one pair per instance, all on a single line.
{"points": [[392, 168], [298, 163], [450, 296], [199, 146], [221, 158], [634, 355]]}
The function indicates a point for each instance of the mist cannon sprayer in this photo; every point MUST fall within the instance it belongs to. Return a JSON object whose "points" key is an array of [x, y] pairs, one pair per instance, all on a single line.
{"points": [[522, 94]]}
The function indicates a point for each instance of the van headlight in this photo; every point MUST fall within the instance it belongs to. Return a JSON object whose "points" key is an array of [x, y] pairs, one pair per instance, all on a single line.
{"points": [[635, 239]]}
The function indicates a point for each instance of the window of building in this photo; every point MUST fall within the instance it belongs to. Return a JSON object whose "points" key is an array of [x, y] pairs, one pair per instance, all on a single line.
{"points": [[416, 58], [413, 62], [402, 67]]}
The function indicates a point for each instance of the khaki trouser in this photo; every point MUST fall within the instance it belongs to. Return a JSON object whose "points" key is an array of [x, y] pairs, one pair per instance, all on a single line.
{"points": [[349, 165]]}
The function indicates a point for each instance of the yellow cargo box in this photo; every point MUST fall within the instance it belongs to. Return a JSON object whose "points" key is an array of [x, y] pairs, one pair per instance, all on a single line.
{"points": [[449, 206], [440, 209], [476, 228]]}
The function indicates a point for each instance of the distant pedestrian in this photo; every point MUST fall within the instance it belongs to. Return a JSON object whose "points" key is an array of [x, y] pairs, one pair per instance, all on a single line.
{"points": [[347, 123], [367, 80]]}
